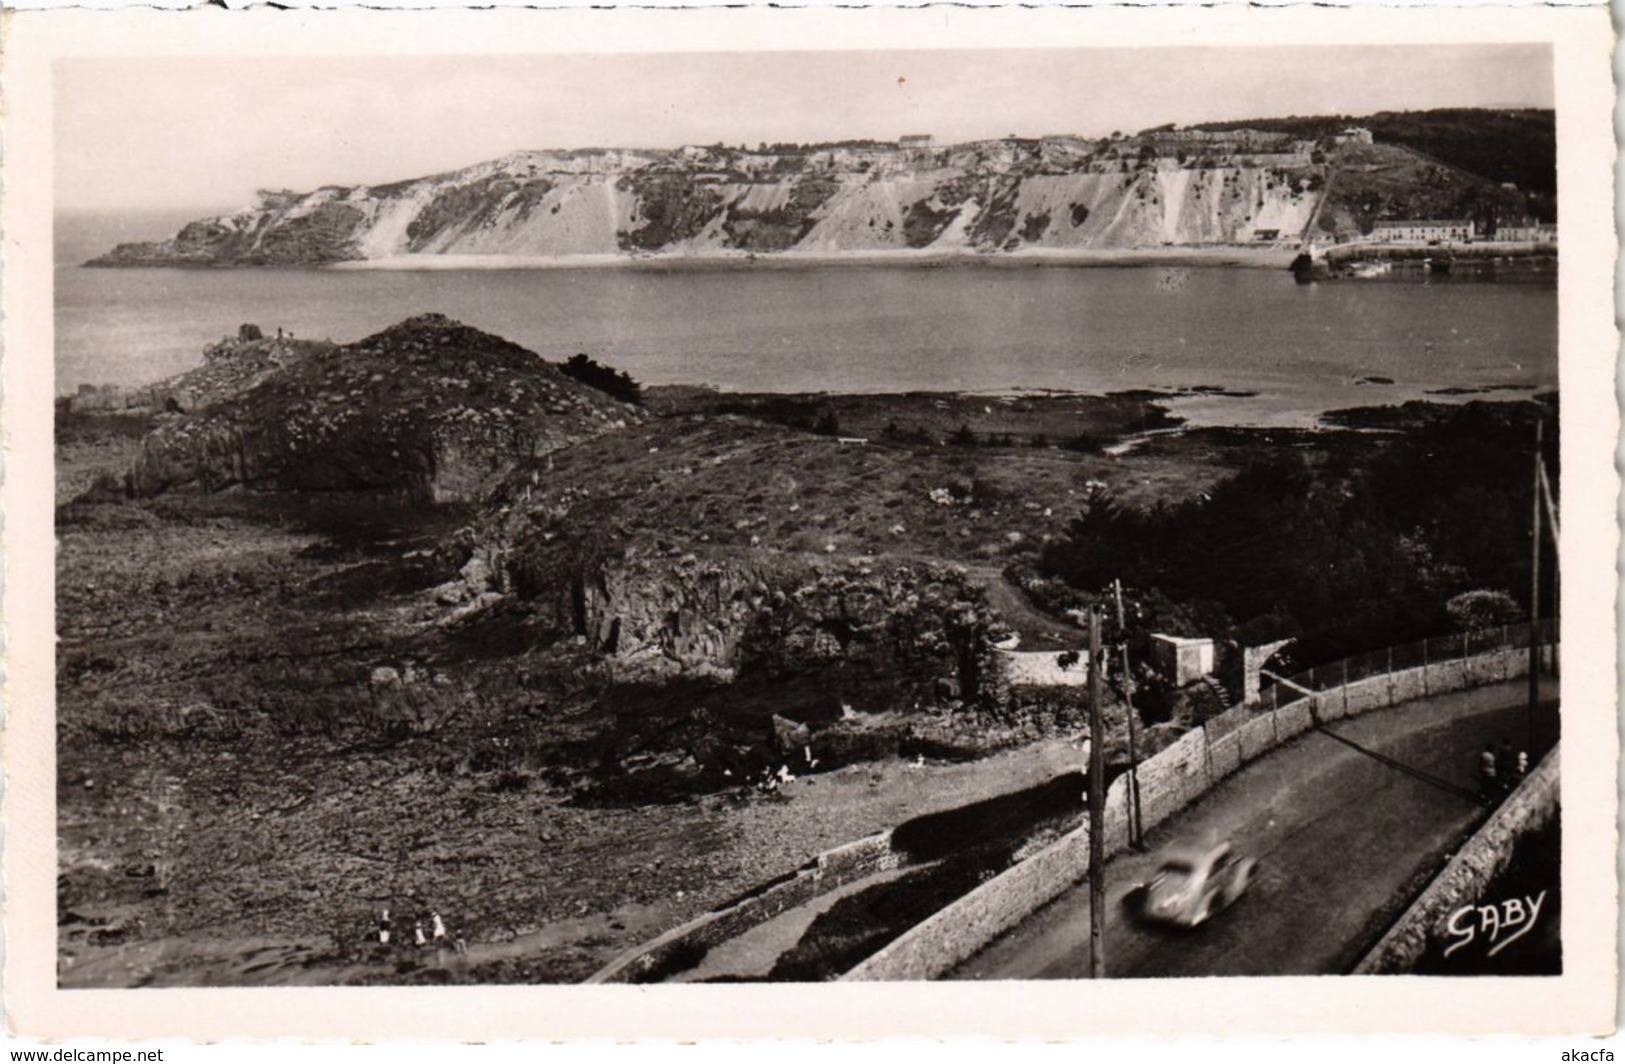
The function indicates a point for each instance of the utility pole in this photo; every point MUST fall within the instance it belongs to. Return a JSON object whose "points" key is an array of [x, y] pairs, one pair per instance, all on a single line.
{"points": [[1136, 825], [1097, 807], [1534, 590]]}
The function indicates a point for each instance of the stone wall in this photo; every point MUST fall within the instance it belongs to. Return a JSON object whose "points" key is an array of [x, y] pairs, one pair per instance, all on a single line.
{"points": [[1469, 874], [1044, 668], [1169, 782], [681, 948]]}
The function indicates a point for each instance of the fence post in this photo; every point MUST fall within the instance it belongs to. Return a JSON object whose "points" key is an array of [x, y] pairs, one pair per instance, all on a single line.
{"points": [[1345, 687], [1424, 668], [1390, 676]]}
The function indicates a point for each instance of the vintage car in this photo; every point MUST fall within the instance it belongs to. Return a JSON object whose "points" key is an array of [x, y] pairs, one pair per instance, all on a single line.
{"points": [[1192, 884]]}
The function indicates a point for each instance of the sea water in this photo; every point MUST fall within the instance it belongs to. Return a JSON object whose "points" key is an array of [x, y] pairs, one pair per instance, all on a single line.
{"points": [[1301, 349]]}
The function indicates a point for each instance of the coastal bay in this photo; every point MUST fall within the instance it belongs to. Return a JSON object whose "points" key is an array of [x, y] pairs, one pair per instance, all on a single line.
{"points": [[875, 328]]}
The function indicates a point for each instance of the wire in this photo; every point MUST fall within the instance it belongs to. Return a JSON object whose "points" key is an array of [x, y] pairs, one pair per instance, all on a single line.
{"points": [[1414, 773]]}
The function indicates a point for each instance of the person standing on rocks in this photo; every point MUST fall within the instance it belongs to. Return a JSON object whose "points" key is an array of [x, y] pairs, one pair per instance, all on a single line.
{"points": [[383, 927]]}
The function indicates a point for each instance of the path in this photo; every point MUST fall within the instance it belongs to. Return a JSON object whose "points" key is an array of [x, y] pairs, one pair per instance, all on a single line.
{"points": [[1038, 630]]}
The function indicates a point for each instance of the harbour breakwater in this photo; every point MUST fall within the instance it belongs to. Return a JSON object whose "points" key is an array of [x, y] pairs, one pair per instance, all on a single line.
{"points": [[1366, 260]]}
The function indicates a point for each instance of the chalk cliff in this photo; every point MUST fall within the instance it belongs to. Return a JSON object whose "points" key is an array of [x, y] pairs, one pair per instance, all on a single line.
{"points": [[995, 196]]}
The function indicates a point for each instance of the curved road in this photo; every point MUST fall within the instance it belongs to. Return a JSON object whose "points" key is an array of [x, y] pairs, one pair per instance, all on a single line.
{"points": [[1344, 844]]}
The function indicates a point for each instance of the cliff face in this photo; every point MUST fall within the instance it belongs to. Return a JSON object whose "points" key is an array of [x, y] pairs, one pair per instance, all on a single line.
{"points": [[986, 197], [872, 630], [429, 406]]}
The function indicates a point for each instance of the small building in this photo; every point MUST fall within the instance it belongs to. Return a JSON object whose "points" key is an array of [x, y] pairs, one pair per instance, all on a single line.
{"points": [[1182, 659], [1423, 231], [1266, 235], [1354, 135], [915, 141]]}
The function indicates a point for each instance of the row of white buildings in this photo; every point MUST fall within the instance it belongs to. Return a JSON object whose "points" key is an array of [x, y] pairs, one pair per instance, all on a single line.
{"points": [[1459, 231]]}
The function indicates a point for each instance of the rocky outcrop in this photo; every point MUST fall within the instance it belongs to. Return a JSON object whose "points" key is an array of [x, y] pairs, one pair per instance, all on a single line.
{"points": [[308, 231], [430, 406], [230, 366], [874, 630], [725, 549]]}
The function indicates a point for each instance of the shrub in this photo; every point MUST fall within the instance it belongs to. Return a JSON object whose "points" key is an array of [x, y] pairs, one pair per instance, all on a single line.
{"points": [[594, 374], [1482, 608]]}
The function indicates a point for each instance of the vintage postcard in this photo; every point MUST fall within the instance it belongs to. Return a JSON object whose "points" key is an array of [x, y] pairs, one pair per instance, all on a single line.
{"points": [[809, 523]]}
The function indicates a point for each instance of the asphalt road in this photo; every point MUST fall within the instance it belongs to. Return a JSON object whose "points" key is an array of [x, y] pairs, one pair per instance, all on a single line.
{"points": [[1344, 844]]}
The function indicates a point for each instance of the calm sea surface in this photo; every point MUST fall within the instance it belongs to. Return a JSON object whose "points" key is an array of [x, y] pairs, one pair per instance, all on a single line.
{"points": [[1303, 349]]}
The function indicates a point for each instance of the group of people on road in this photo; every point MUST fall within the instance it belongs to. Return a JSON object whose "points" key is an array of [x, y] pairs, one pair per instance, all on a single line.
{"points": [[1501, 768]]}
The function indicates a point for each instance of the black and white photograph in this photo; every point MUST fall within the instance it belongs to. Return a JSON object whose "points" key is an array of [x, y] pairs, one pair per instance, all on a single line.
{"points": [[727, 515]]}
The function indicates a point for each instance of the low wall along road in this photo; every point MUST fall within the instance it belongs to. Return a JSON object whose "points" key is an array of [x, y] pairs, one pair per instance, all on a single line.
{"points": [[1466, 879], [682, 946], [1185, 771]]}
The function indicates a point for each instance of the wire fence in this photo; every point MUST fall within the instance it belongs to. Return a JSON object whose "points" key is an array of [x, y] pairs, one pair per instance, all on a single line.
{"points": [[1437, 652]]}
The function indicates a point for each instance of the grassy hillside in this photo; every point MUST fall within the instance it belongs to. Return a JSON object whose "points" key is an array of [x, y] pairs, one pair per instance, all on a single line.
{"points": [[1519, 146], [1378, 181]]}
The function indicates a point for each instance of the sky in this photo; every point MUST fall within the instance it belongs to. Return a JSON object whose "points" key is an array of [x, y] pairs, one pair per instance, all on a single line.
{"points": [[168, 134]]}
